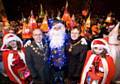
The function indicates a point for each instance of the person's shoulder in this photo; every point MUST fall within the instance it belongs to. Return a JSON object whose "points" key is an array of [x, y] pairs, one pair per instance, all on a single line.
{"points": [[89, 51], [5, 52], [108, 56]]}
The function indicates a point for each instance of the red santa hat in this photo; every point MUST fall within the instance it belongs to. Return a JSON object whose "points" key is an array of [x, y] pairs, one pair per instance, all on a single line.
{"points": [[100, 43], [10, 37]]}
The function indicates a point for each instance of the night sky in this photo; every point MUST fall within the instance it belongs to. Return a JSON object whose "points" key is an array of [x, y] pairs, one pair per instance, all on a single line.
{"points": [[15, 8]]}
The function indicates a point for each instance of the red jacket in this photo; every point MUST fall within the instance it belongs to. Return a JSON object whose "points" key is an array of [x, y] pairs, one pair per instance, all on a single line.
{"points": [[111, 68]]}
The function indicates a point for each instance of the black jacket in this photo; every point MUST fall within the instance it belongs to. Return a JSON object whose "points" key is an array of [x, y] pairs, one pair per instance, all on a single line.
{"points": [[36, 60], [76, 58]]}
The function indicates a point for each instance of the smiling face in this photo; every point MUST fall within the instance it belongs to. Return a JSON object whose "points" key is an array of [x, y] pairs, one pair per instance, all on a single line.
{"points": [[37, 35], [13, 44], [75, 34], [98, 50]]}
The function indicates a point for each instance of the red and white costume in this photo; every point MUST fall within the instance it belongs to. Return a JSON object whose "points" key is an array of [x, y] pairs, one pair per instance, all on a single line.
{"points": [[13, 59], [106, 67]]}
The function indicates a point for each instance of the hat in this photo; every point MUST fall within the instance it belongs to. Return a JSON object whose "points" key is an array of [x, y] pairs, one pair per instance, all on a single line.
{"points": [[10, 37], [100, 43]]}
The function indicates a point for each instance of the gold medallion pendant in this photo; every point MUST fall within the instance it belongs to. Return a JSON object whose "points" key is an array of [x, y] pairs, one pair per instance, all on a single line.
{"points": [[70, 49]]}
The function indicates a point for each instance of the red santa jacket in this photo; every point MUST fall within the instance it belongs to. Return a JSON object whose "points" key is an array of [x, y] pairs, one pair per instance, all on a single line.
{"points": [[10, 59], [111, 68]]}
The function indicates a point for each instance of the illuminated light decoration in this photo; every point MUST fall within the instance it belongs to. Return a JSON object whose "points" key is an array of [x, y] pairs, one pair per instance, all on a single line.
{"points": [[85, 12], [58, 15], [26, 31], [71, 23], [66, 15], [5, 25], [58, 57], [32, 21], [88, 22], [109, 18], [41, 14], [5, 22], [44, 26]]}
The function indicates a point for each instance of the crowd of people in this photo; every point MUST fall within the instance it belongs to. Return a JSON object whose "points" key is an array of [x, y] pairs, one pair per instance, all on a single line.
{"points": [[81, 50]]}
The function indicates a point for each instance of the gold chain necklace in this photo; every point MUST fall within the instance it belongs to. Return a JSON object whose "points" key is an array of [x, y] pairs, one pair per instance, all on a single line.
{"points": [[72, 45]]}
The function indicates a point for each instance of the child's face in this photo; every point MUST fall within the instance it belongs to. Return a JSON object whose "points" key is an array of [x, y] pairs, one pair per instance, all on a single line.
{"points": [[98, 50], [13, 44]]}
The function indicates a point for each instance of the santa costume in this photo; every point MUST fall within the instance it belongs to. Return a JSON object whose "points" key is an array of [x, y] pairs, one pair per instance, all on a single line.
{"points": [[98, 69], [14, 60]]}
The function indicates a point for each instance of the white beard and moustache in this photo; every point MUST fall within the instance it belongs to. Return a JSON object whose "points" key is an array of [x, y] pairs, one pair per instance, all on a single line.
{"points": [[57, 38]]}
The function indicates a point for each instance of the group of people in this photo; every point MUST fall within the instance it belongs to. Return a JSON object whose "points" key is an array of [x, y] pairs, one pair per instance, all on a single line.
{"points": [[57, 57]]}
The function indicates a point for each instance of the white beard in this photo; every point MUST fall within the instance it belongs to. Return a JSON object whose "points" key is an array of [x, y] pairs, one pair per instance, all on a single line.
{"points": [[56, 38]]}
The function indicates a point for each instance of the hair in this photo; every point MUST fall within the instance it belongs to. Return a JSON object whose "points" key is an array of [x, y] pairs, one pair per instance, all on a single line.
{"points": [[37, 29], [19, 46], [77, 27]]}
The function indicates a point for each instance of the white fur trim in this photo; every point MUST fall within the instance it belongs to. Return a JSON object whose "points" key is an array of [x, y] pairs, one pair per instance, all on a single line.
{"points": [[6, 40], [101, 69], [89, 63], [22, 55], [84, 42], [106, 46], [86, 68], [101, 46], [10, 56], [10, 39], [105, 68], [95, 82]]}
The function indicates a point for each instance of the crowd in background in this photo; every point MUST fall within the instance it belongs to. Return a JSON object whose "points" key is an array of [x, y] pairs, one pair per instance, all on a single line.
{"points": [[67, 50]]}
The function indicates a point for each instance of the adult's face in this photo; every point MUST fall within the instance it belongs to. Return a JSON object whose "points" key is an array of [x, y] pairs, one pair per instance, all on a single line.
{"points": [[37, 35], [75, 34]]}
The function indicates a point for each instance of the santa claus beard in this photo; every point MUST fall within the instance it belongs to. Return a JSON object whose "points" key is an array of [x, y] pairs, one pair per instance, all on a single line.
{"points": [[56, 38]]}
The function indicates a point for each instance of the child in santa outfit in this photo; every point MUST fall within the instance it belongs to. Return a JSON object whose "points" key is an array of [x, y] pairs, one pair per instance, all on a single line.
{"points": [[13, 58], [99, 67]]}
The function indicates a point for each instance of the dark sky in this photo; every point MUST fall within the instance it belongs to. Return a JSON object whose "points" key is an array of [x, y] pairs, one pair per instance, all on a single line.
{"points": [[14, 8]]}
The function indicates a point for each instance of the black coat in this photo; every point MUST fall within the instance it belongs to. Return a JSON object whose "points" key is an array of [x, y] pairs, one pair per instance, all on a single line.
{"points": [[76, 58], [37, 61]]}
